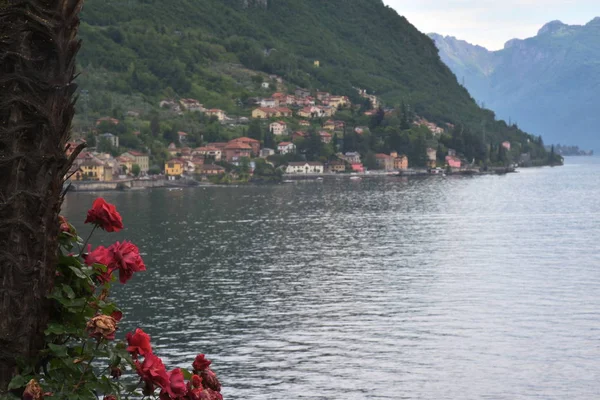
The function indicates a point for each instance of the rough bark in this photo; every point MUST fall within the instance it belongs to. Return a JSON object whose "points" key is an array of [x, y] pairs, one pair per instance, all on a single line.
{"points": [[38, 45]]}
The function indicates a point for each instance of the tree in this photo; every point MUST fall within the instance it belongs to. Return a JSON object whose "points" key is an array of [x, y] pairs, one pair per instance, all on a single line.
{"points": [[38, 46], [269, 141], [155, 126], [135, 170], [370, 160], [255, 130]]}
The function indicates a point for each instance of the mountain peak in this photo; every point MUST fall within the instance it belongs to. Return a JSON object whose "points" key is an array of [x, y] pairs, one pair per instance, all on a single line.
{"points": [[594, 22], [551, 27]]}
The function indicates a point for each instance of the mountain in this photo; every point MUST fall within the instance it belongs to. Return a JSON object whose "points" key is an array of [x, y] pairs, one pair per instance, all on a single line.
{"points": [[138, 52], [548, 84]]}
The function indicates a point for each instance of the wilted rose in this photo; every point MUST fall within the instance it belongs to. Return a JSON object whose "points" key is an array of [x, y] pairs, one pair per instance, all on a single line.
{"points": [[33, 391], [116, 372], [104, 215], [102, 327]]}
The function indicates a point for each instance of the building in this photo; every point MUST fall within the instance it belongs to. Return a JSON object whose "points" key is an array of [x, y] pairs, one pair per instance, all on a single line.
{"points": [[208, 152], [400, 161], [304, 167], [431, 157], [266, 152], [215, 112], [192, 105], [264, 113], [265, 85], [357, 167], [269, 103], [110, 120], [304, 123], [322, 96], [278, 128], [329, 125], [139, 158], [286, 148], [384, 161], [112, 139], [351, 157], [317, 63], [253, 143], [337, 166], [302, 93], [173, 169], [234, 151], [506, 145], [453, 162], [211, 169], [182, 136], [284, 112], [90, 169], [125, 163], [325, 137], [298, 135]]}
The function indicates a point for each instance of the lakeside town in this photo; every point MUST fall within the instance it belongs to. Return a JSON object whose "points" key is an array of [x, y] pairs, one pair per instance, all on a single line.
{"points": [[296, 124]]}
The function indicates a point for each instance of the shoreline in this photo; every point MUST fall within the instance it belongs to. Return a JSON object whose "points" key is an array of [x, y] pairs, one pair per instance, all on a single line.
{"points": [[143, 184]]}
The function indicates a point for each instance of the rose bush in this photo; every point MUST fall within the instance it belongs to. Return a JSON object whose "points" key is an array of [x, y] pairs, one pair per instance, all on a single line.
{"points": [[82, 358]]}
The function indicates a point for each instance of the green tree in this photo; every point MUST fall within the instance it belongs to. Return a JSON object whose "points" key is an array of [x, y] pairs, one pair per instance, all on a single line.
{"points": [[135, 170], [370, 160], [255, 130]]}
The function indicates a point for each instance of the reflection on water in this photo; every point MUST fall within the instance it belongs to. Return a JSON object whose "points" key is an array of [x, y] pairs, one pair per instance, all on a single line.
{"points": [[457, 288]]}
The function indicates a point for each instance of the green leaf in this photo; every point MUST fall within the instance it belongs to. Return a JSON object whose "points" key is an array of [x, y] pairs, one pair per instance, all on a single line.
{"points": [[17, 382], [68, 291], [55, 329], [58, 350], [78, 272], [186, 374]]}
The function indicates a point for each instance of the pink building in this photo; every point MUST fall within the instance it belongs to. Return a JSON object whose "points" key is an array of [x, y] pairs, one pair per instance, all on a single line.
{"points": [[453, 161], [506, 145]]}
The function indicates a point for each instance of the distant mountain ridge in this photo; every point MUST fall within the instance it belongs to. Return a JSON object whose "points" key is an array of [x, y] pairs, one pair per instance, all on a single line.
{"points": [[548, 84]]}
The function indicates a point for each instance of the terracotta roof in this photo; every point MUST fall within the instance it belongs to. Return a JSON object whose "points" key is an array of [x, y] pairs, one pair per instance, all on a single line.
{"points": [[238, 145], [136, 153], [285, 144], [381, 155], [244, 139], [181, 133], [299, 163]]}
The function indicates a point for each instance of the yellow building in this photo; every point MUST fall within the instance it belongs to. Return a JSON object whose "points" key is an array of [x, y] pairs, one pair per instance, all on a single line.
{"points": [[317, 63], [141, 159], [126, 163], [108, 173], [215, 112], [173, 168], [329, 125], [90, 170]]}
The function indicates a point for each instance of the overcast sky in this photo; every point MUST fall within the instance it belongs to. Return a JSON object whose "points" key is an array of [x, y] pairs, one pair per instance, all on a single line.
{"points": [[491, 23]]}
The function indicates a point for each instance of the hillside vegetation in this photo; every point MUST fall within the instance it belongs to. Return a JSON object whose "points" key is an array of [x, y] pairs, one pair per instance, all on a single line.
{"points": [[137, 52]]}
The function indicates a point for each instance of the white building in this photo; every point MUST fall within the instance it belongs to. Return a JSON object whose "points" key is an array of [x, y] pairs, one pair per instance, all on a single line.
{"points": [[269, 103], [286, 148], [278, 128], [304, 167], [266, 152], [265, 85], [112, 139]]}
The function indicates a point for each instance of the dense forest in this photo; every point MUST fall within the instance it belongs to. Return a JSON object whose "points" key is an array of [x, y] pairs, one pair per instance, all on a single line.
{"points": [[138, 52]]}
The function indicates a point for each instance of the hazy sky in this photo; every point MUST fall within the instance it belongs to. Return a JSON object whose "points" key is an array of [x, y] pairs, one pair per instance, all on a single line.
{"points": [[490, 23]]}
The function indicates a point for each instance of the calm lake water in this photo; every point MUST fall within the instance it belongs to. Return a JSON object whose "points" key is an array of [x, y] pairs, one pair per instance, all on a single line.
{"points": [[438, 288]]}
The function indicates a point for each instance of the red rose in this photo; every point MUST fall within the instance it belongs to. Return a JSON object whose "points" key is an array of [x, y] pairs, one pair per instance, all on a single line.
{"points": [[104, 256], [110, 397], [176, 388], [201, 363], [104, 215], [196, 381], [153, 372], [126, 258], [138, 343]]}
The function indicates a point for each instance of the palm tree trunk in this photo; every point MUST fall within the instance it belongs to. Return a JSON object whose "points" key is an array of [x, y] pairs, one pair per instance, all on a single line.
{"points": [[38, 45]]}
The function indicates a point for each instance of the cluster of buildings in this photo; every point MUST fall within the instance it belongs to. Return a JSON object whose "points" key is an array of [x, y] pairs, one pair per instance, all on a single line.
{"points": [[103, 167], [192, 105], [321, 105]]}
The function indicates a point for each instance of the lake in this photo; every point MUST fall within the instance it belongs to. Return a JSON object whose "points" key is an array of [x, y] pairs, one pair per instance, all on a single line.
{"points": [[389, 288]]}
